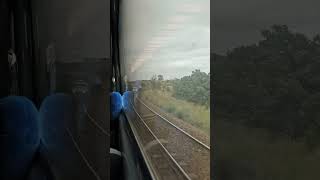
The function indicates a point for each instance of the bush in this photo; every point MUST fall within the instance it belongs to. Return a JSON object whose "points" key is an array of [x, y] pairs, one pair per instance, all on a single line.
{"points": [[194, 88], [170, 108], [180, 115]]}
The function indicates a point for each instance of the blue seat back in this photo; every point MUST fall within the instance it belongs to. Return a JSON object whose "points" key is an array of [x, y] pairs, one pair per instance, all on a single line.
{"points": [[127, 100], [58, 140], [54, 114], [55, 111], [19, 138], [116, 105]]}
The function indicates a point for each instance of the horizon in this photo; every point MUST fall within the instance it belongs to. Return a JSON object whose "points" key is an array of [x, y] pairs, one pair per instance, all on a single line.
{"points": [[223, 53]]}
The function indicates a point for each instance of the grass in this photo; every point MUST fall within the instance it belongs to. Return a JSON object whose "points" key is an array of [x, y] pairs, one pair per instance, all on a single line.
{"points": [[241, 152], [170, 108], [198, 116], [250, 154]]}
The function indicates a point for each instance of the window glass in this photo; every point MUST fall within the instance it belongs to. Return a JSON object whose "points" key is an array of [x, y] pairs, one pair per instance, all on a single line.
{"points": [[165, 65], [266, 88]]}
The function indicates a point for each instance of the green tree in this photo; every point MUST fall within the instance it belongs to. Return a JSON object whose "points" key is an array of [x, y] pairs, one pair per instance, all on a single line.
{"points": [[160, 77], [267, 84], [194, 88], [155, 84]]}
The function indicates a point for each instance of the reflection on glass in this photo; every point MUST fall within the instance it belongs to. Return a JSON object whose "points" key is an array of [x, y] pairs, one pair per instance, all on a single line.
{"points": [[266, 90], [165, 57]]}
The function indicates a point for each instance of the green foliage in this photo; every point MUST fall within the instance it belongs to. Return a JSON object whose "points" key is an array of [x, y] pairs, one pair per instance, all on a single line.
{"points": [[253, 154], [273, 84], [194, 88], [155, 84], [160, 77], [170, 108], [180, 114], [196, 115]]}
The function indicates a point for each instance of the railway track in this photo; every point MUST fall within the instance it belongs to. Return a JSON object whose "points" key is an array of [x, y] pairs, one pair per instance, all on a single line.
{"points": [[162, 164], [164, 141]]}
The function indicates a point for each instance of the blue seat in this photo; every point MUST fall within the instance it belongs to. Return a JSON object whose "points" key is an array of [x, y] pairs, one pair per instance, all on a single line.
{"points": [[19, 138], [116, 105], [127, 100], [55, 111], [54, 114], [58, 141]]}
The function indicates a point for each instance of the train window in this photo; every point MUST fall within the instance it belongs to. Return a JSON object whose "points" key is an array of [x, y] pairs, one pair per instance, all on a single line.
{"points": [[266, 89], [165, 65]]}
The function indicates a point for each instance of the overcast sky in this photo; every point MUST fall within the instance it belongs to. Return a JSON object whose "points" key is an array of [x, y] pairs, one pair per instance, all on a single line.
{"points": [[238, 22], [168, 37]]}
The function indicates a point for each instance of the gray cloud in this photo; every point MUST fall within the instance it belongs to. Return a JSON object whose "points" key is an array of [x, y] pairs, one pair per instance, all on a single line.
{"points": [[237, 22], [182, 26]]}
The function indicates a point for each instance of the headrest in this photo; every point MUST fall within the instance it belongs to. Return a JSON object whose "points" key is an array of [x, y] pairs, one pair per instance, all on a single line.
{"points": [[127, 98], [116, 105]]}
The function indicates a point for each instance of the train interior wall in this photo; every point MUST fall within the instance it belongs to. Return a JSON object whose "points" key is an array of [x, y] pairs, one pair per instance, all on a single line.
{"points": [[63, 47]]}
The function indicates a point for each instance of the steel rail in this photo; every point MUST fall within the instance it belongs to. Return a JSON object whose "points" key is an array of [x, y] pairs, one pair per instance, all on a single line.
{"points": [[175, 126], [159, 142]]}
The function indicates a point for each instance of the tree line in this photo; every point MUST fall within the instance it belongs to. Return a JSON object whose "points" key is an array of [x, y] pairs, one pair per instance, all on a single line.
{"points": [[272, 84], [194, 88]]}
